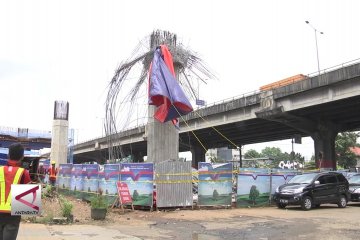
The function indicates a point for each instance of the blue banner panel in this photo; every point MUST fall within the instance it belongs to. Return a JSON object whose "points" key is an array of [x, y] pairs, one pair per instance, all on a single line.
{"points": [[64, 176], [215, 184], [108, 178], [77, 179], [139, 178], [91, 175]]}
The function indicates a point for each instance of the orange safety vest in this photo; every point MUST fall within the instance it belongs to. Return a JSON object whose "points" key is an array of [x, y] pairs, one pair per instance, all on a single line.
{"points": [[8, 175], [52, 173]]}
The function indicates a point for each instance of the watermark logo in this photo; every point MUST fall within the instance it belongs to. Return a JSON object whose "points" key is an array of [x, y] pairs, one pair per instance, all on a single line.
{"points": [[25, 199]]}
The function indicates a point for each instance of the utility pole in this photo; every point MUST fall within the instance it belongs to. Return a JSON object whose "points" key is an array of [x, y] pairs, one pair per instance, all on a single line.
{"points": [[316, 43]]}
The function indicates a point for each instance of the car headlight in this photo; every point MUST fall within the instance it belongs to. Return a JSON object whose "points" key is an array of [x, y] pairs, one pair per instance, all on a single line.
{"points": [[298, 190], [357, 190]]}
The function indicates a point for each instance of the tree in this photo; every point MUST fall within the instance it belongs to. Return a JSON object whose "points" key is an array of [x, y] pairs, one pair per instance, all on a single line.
{"points": [[252, 154], [215, 195], [254, 193], [343, 142], [276, 154], [135, 195]]}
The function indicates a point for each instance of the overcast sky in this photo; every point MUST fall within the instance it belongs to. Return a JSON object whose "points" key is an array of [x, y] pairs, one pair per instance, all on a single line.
{"points": [[68, 50]]}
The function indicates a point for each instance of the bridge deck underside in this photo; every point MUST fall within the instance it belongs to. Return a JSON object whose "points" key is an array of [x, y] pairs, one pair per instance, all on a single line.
{"points": [[345, 113]]}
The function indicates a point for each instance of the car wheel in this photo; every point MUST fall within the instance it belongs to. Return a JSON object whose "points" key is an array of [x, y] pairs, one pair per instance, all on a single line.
{"points": [[306, 203], [342, 202], [281, 205]]}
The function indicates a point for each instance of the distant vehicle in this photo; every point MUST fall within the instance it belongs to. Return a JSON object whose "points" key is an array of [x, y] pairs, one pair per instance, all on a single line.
{"points": [[312, 189], [354, 188]]}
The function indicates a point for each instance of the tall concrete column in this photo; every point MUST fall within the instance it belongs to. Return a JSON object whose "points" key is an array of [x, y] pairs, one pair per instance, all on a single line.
{"points": [[162, 138], [198, 155], [59, 135], [59, 141], [324, 144]]}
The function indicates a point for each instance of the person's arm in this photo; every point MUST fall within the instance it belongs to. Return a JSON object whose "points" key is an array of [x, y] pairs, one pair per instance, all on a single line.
{"points": [[25, 179]]}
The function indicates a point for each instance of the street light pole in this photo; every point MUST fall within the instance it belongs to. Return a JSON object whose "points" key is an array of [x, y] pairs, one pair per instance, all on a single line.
{"points": [[317, 50]]}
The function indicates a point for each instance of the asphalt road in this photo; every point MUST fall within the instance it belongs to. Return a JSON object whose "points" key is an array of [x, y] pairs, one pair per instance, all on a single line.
{"points": [[327, 222]]}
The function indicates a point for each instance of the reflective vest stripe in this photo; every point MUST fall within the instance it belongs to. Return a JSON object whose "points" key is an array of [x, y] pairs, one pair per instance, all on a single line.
{"points": [[6, 205], [2, 187]]}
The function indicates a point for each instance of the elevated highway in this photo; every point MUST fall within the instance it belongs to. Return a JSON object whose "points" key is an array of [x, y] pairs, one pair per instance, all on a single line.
{"points": [[319, 107]]}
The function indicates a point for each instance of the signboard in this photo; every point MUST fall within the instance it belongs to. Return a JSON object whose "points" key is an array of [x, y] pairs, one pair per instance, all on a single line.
{"points": [[139, 178], [200, 102], [124, 193], [61, 110], [25, 199], [215, 184]]}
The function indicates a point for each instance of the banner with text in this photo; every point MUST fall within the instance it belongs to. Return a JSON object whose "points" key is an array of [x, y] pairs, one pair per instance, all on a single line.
{"points": [[108, 178], [139, 177]]}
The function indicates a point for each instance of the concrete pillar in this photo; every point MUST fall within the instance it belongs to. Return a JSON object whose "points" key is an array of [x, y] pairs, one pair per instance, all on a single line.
{"points": [[59, 141], [59, 135], [162, 138], [324, 144], [198, 155]]}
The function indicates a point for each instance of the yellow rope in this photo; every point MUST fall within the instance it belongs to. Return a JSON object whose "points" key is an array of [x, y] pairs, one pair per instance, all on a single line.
{"points": [[217, 130], [189, 128]]}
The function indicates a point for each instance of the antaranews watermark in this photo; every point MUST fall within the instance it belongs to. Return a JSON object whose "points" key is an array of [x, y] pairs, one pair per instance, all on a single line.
{"points": [[25, 199]]}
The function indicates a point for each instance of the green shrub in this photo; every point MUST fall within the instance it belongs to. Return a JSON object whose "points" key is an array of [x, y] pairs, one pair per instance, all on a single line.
{"points": [[66, 207], [98, 201]]}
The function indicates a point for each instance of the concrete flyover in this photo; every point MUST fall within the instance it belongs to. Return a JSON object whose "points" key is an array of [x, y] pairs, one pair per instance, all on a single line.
{"points": [[319, 106]]}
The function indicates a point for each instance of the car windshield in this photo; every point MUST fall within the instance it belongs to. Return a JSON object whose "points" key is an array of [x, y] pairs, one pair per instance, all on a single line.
{"points": [[355, 179], [304, 178]]}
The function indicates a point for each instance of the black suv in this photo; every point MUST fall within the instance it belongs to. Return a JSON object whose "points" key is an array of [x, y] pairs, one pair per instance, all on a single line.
{"points": [[312, 189]]}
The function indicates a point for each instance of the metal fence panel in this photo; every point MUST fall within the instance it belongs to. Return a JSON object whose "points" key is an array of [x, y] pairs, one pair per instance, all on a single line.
{"points": [[173, 184]]}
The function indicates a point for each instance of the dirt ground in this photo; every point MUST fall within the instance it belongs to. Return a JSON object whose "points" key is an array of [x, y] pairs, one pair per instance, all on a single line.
{"points": [[327, 222]]}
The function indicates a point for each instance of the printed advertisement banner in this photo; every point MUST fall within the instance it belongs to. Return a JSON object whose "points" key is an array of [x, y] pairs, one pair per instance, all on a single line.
{"points": [[253, 189], [77, 178], [108, 178], [215, 184], [91, 175], [64, 176], [139, 177]]}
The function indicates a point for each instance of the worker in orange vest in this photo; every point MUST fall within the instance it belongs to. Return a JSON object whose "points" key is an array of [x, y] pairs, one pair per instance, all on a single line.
{"points": [[12, 173], [52, 173]]}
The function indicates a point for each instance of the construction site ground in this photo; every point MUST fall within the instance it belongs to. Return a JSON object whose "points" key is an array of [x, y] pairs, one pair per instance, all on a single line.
{"points": [[327, 222]]}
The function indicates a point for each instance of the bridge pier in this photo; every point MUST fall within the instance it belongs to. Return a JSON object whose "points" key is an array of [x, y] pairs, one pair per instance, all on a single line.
{"points": [[162, 138], [198, 155], [324, 144]]}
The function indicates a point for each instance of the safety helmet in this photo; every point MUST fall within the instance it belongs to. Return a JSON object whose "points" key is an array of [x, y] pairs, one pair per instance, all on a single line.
{"points": [[53, 162]]}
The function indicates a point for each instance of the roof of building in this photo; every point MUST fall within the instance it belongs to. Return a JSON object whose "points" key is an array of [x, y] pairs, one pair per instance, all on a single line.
{"points": [[355, 150]]}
